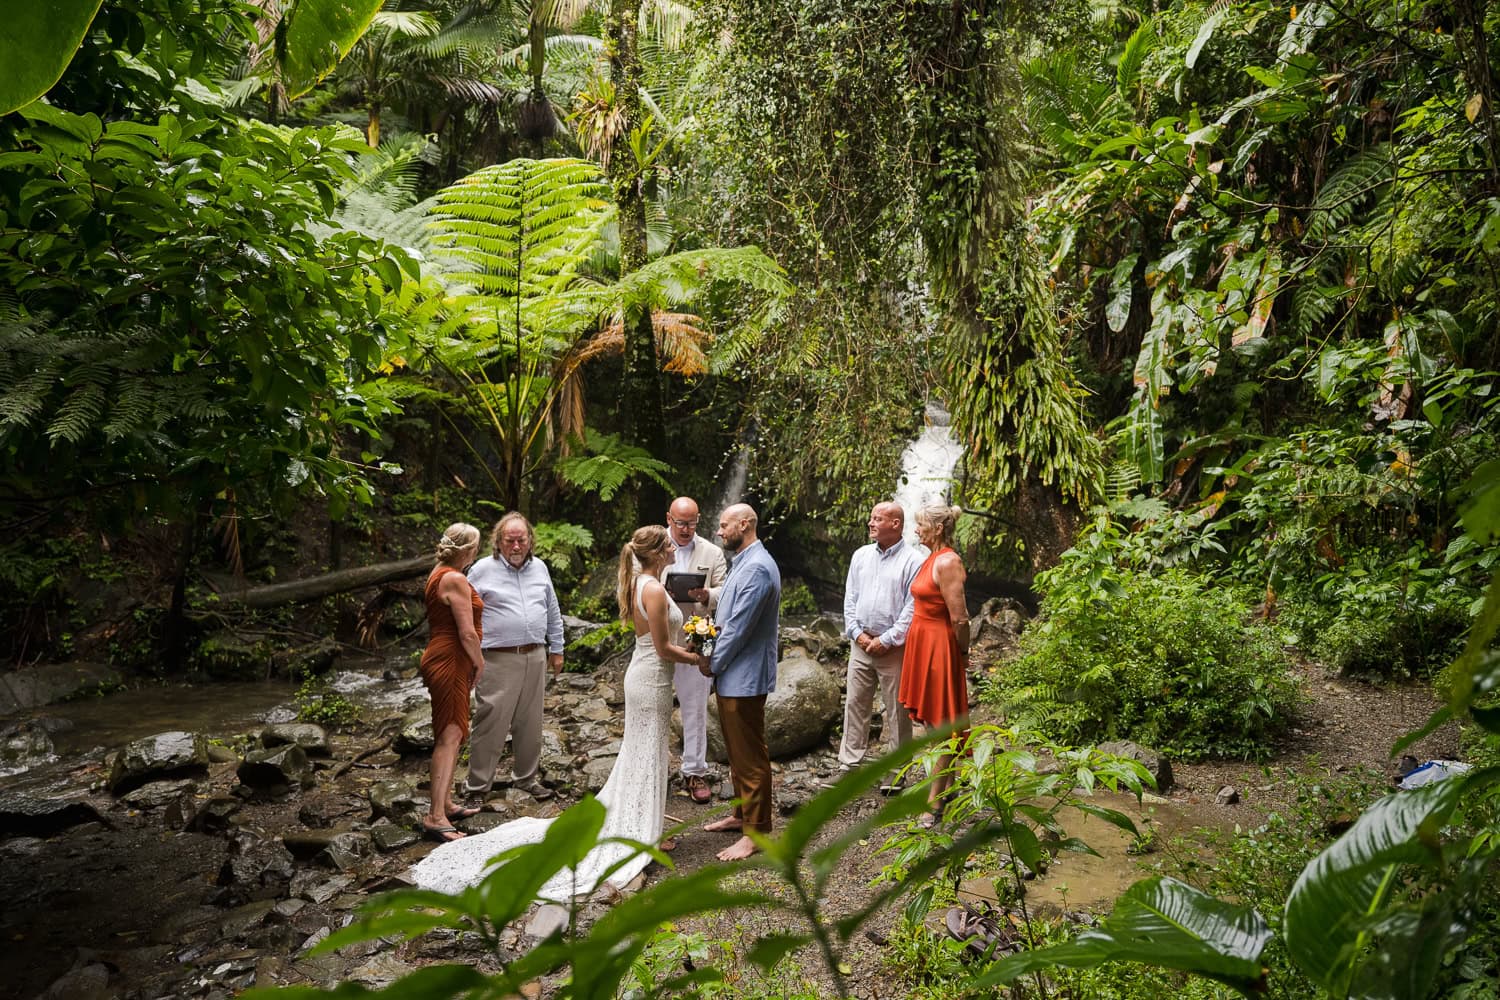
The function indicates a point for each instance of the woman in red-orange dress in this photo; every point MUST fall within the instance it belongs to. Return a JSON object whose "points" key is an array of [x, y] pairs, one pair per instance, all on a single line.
{"points": [[451, 665], [934, 670]]}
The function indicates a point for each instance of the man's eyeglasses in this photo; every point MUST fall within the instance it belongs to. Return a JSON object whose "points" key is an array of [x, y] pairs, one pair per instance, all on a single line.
{"points": [[683, 524]]}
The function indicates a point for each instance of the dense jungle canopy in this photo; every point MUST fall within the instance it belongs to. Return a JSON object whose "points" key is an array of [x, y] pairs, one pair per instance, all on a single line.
{"points": [[1209, 290]]}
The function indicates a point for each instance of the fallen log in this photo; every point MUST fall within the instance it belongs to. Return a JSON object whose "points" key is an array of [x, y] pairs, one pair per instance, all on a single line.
{"points": [[315, 587]]}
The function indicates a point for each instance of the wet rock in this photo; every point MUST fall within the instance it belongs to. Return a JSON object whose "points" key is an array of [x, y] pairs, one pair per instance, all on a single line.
{"points": [[1000, 621], [594, 711], [416, 732], [312, 739], [342, 849], [231, 656], [278, 766], [24, 745], [596, 772], [87, 982], [1153, 760], [546, 920], [325, 809], [799, 713], [610, 749], [387, 837], [215, 815], [155, 794], [286, 909], [309, 660], [220, 754], [488, 820], [397, 801], [315, 887], [241, 919], [612, 696], [789, 802], [1226, 796], [174, 754], [257, 868], [581, 682], [380, 971], [36, 816], [44, 684]]}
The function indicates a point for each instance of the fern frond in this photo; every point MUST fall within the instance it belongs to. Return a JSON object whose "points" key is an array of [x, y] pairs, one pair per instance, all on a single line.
{"points": [[1352, 185]]}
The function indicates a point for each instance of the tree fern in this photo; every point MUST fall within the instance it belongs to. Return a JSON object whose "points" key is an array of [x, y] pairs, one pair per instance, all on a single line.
{"points": [[1349, 187], [521, 228]]}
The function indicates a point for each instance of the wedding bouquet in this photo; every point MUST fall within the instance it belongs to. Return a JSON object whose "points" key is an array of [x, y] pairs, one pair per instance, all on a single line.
{"points": [[701, 632]]}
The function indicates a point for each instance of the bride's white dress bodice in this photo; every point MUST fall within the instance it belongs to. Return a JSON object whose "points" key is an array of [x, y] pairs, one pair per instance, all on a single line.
{"points": [[633, 797]]}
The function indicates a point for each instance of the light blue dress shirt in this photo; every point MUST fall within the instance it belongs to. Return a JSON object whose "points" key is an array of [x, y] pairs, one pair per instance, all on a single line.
{"points": [[520, 605], [877, 592], [749, 617]]}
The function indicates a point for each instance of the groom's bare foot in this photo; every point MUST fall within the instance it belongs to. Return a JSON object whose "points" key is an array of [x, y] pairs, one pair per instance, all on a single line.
{"points": [[727, 824], [739, 850]]}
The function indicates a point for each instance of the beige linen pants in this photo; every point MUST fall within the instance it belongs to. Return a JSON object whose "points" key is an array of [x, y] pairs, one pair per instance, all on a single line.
{"points": [[867, 672], [508, 702]]}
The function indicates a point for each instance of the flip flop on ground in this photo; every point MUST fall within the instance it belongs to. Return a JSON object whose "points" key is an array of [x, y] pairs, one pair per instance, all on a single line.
{"points": [[442, 834], [980, 932], [463, 812]]}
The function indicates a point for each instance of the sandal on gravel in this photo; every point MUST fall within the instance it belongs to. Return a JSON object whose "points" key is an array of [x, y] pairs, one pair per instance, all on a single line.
{"points": [[441, 833], [978, 930], [463, 812], [927, 821]]}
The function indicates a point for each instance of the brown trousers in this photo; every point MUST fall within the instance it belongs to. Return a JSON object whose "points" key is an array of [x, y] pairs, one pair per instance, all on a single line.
{"points": [[743, 721]]}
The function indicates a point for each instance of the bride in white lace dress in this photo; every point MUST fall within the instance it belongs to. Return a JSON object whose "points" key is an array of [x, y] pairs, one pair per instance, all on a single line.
{"points": [[636, 792]]}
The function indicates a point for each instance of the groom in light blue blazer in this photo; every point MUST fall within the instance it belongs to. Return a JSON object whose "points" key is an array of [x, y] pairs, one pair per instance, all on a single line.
{"points": [[743, 666]]}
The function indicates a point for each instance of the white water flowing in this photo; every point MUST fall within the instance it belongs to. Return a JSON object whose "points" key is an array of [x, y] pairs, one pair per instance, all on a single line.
{"points": [[927, 467]]}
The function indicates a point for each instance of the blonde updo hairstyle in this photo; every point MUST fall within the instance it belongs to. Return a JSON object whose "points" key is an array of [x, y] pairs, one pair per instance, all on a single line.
{"points": [[457, 538], [637, 552], [941, 517]]}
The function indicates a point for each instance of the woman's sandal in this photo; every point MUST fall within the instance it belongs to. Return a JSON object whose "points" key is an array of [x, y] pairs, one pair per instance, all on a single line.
{"points": [[978, 930], [441, 833], [463, 812]]}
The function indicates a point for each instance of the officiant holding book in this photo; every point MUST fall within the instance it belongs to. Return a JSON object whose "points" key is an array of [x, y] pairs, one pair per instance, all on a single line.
{"points": [[699, 567]]}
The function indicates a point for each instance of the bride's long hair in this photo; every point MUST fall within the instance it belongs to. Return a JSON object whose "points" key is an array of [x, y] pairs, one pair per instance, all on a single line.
{"points": [[645, 543]]}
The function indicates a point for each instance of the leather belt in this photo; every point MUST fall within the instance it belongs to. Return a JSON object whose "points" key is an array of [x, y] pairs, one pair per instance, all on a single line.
{"points": [[528, 647]]}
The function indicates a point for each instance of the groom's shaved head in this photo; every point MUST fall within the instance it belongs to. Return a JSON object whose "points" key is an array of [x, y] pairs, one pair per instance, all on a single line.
{"points": [[741, 512]]}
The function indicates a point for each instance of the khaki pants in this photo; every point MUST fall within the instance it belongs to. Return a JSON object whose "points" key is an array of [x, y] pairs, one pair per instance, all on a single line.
{"points": [[744, 723], [866, 672], [508, 702]]}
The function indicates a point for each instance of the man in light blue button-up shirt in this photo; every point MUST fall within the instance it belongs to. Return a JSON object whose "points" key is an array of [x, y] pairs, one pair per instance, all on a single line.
{"points": [[523, 636], [877, 612]]}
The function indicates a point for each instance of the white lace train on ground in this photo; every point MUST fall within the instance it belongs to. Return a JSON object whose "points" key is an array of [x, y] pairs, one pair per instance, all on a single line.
{"points": [[633, 797]]}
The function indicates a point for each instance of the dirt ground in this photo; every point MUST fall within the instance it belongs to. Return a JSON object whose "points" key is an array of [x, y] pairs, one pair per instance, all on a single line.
{"points": [[1345, 726]]}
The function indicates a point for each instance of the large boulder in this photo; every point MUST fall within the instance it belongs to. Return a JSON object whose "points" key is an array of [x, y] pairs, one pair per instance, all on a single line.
{"points": [[34, 816], [279, 766], [312, 739], [257, 868], [416, 732], [397, 801], [799, 713], [24, 745], [1153, 760], [165, 755], [30, 687]]}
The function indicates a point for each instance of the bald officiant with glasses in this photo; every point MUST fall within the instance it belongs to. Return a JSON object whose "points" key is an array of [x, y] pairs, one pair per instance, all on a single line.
{"points": [[701, 568]]}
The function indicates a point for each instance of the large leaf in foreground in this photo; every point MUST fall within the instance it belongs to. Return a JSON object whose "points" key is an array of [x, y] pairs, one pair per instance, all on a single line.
{"points": [[36, 45], [314, 35], [1161, 922], [1337, 893]]}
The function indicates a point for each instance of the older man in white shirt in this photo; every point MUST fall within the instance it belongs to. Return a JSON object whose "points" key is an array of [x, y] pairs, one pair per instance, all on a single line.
{"points": [[694, 554], [877, 613], [523, 639]]}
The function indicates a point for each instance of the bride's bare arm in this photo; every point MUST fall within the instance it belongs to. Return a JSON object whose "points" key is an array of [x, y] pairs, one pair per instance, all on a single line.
{"points": [[654, 602]]}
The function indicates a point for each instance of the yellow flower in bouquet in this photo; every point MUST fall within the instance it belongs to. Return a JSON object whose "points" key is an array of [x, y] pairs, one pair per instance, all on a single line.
{"points": [[700, 632]]}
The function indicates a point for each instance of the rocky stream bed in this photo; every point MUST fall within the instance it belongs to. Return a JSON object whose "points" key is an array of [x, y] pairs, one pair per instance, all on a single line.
{"points": [[196, 863]]}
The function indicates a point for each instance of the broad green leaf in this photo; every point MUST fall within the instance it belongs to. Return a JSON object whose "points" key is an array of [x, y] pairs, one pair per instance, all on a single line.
{"points": [[1205, 32], [314, 35], [1117, 309], [1339, 888], [38, 42], [772, 948], [1165, 923]]}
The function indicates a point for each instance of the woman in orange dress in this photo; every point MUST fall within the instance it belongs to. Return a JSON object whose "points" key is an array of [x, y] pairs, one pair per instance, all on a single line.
{"points": [[451, 665], [934, 671]]}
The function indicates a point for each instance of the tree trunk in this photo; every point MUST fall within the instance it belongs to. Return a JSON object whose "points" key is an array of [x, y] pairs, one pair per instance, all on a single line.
{"points": [[372, 132], [316, 587], [641, 411]]}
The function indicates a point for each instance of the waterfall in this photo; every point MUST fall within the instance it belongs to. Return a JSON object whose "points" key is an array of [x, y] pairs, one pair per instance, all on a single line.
{"points": [[733, 490], [927, 467]]}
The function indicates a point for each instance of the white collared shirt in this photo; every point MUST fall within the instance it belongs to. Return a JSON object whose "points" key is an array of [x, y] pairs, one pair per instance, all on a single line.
{"points": [[877, 592]]}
